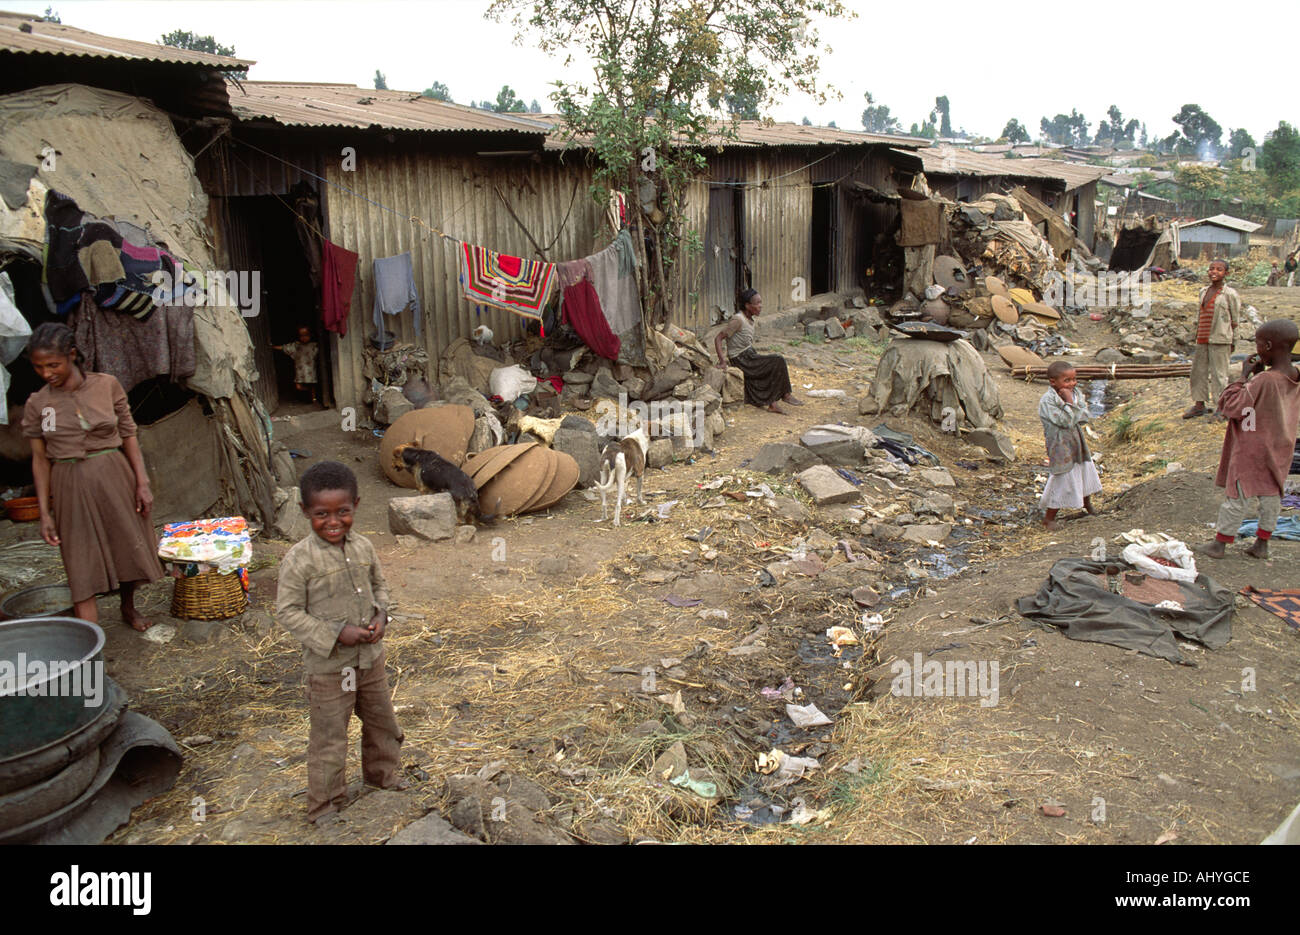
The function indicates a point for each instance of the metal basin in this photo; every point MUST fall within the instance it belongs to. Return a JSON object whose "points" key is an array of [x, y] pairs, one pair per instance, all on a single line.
{"points": [[46, 600], [52, 680]]}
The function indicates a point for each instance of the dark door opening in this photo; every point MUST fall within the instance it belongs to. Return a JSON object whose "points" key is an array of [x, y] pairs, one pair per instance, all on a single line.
{"points": [[265, 239], [823, 239]]}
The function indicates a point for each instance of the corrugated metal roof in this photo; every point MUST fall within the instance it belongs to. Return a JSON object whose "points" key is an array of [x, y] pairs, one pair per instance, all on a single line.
{"points": [[22, 33], [760, 133], [1228, 221], [301, 104], [949, 160]]}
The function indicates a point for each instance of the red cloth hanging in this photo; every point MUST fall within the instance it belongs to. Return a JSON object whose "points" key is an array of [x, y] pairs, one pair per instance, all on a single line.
{"points": [[582, 311], [338, 278]]}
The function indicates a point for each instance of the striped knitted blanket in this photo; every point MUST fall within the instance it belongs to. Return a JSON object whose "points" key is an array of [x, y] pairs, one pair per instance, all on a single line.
{"points": [[510, 282]]}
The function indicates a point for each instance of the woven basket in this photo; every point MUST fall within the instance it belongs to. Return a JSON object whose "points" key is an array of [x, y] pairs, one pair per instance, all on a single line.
{"points": [[208, 596]]}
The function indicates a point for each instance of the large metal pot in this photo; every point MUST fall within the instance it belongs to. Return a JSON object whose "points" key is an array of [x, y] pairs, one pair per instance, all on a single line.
{"points": [[52, 680]]}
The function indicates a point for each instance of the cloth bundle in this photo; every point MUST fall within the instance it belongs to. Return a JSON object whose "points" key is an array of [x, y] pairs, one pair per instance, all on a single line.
{"points": [[222, 543], [118, 262]]}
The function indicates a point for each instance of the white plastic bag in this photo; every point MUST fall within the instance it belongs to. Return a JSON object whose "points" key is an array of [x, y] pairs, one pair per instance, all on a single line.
{"points": [[511, 382], [1140, 556], [14, 330]]}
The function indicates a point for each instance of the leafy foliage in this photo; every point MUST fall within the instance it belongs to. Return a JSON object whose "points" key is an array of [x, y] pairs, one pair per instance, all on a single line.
{"points": [[1067, 129], [663, 71], [1199, 134], [184, 39], [51, 16], [508, 102], [1014, 132], [876, 118], [381, 83], [438, 91]]}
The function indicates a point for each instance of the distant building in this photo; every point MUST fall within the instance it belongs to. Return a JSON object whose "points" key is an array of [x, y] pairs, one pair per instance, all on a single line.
{"points": [[1218, 236]]}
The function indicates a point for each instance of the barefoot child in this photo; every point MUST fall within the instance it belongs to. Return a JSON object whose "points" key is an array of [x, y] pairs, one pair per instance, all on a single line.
{"points": [[333, 598], [303, 351], [1073, 478], [1262, 409]]}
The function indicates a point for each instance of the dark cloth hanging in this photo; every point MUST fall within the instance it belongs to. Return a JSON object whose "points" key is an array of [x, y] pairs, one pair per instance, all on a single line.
{"points": [[581, 309], [767, 378], [338, 277], [134, 350]]}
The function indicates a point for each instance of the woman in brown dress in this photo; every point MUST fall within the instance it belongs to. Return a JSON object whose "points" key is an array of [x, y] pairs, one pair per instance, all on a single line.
{"points": [[767, 378], [90, 478]]}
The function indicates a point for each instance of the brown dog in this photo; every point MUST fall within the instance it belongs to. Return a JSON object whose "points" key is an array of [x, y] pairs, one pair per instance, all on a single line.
{"points": [[434, 474]]}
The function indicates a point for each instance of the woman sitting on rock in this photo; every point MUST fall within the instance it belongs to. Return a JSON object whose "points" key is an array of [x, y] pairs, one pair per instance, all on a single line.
{"points": [[767, 379]]}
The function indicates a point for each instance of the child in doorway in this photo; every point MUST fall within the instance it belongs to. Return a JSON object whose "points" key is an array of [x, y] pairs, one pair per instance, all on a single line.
{"points": [[303, 351], [333, 598], [1073, 478], [1263, 411]]}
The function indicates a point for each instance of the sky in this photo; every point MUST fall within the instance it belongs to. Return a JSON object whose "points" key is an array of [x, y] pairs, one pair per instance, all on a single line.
{"points": [[996, 60]]}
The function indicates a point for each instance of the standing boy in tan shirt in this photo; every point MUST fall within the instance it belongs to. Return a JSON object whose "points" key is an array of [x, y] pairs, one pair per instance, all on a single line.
{"points": [[1216, 330], [333, 598]]}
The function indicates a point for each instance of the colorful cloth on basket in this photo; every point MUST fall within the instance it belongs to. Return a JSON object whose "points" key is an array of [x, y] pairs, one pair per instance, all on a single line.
{"points": [[510, 282], [223, 543]]}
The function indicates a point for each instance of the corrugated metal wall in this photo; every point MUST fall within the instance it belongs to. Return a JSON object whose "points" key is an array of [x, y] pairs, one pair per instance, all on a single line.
{"points": [[776, 207], [458, 195]]}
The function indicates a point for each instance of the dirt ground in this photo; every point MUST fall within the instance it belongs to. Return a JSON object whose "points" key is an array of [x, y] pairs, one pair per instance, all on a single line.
{"points": [[545, 648]]}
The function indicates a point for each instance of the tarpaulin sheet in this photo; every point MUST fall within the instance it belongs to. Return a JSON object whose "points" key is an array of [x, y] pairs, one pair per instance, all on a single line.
{"points": [[1078, 599]]}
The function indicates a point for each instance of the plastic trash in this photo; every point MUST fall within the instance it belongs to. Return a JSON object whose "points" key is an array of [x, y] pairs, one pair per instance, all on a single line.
{"points": [[827, 394], [806, 715], [666, 508]]}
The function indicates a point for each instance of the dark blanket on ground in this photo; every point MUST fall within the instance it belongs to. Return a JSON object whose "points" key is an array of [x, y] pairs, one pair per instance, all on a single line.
{"points": [[1077, 597]]}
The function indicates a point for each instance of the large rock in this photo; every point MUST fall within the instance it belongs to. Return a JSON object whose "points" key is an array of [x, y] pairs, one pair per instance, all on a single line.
{"points": [[391, 406], [710, 398], [290, 520], [733, 388], [994, 442], [936, 504], [577, 378], [604, 385], [825, 486], [791, 509], [836, 445], [431, 829], [583, 447], [937, 477], [815, 329], [717, 425], [667, 379], [429, 516], [834, 330], [782, 458], [922, 533], [488, 433], [659, 453]]}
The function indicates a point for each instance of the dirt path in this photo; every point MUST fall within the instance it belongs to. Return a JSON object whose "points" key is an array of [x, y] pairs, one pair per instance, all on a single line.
{"points": [[546, 646]]}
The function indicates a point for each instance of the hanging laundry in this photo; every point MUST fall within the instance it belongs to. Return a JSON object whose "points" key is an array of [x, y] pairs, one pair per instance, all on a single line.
{"points": [[395, 290], [135, 350], [510, 282], [101, 263], [612, 273], [581, 309], [338, 277]]}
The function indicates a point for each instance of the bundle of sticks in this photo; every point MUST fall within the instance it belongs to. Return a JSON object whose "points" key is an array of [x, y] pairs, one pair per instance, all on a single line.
{"points": [[1110, 371]]}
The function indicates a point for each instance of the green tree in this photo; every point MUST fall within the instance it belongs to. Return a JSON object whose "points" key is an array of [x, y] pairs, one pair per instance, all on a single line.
{"points": [[534, 107], [1067, 129], [1200, 132], [645, 111], [1014, 132], [940, 116], [926, 130], [438, 91], [1205, 181], [876, 118], [833, 125], [381, 83], [1239, 140], [806, 122], [183, 39], [508, 102], [1279, 159], [50, 16]]}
